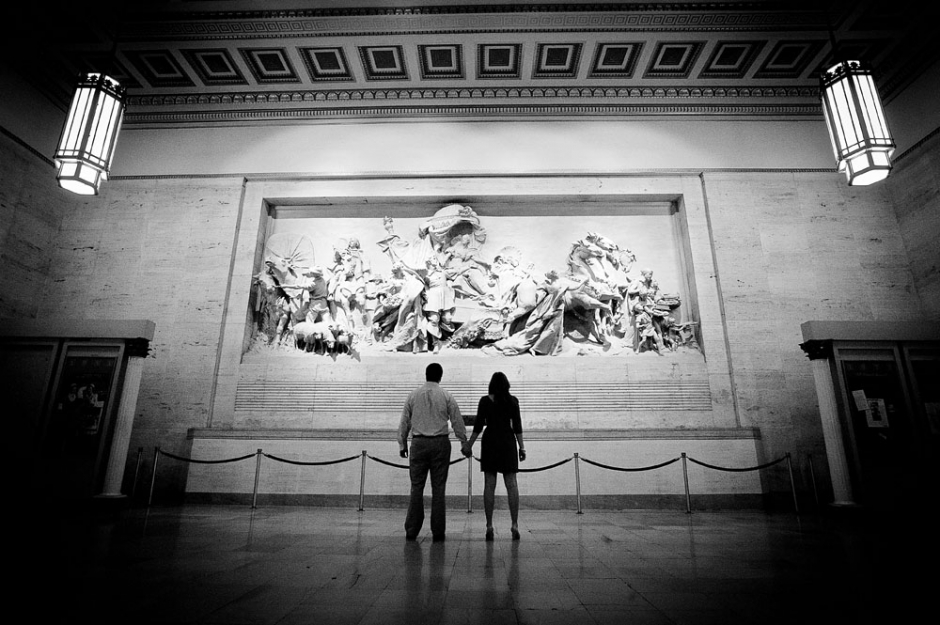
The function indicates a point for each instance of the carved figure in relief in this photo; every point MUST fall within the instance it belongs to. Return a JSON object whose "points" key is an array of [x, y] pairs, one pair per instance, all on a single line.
{"points": [[270, 306], [544, 325], [453, 235], [409, 332], [594, 306], [282, 294], [648, 329], [347, 289], [515, 288], [650, 308], [439, 305], [294, 306], [605, 264]]}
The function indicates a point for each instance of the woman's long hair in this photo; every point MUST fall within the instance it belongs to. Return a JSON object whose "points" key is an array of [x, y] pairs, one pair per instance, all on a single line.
{"points": [[499, 387]]}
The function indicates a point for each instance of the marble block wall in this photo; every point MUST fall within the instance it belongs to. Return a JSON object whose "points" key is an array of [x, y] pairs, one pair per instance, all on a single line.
{"points": [[788, 247], [792, 247], [157, 250], [914, 186], [31, 210]]}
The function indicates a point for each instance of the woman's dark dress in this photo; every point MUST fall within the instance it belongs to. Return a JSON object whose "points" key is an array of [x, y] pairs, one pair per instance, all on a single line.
{"points": [[498, 453]]}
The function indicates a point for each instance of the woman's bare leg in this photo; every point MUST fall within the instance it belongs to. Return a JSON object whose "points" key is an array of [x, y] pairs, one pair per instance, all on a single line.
{"points": [[489, 497], [512, 492]]}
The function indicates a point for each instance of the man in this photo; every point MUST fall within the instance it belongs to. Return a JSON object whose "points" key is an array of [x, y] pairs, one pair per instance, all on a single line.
{"points": [[426, 413]]}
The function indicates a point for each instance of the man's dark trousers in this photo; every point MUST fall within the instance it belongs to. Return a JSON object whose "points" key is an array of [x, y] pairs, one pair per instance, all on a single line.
{"points": [[428, 455]]}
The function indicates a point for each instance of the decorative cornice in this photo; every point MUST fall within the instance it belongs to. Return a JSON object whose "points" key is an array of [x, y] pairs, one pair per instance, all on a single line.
{"points": [[474, 111], [817, 350], [362, 103], [519, 7], [469, 93], [690, 17]]}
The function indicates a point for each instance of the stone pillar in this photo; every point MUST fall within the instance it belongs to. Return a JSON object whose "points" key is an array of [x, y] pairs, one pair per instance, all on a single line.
{"points": [[114, 476], [832, 432]]}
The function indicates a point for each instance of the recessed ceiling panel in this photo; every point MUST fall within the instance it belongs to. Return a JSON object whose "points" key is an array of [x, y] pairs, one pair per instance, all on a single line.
{"points": [[105, 63], [615, 60], [383, 62], [159, 68], [441, 61], [731, 59], [789, 59], [326, 64], [215, 66], [557, 60], [674, 59], [499, 60], [269, 65]]}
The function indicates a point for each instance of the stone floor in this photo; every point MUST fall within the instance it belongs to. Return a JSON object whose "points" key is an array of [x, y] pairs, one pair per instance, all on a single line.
{"points": [[298, 565]]}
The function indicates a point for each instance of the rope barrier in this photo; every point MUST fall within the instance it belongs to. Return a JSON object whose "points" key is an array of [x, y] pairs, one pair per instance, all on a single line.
{"points": [[732, 470], [387, 463], [537, 469], [405, 466], [547, 467], [649, 468], [310, 464], [576, 457], [175, 457]]}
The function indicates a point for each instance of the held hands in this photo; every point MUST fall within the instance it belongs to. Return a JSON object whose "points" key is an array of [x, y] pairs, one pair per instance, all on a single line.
{"points": [[466, 449], [522, 455]]}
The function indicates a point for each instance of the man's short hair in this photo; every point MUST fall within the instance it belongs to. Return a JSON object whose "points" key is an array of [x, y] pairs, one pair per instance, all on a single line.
{"points": [[434, 372]]}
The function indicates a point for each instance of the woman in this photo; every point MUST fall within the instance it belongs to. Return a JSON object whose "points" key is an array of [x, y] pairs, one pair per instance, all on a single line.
{"points": [[498, 413]]}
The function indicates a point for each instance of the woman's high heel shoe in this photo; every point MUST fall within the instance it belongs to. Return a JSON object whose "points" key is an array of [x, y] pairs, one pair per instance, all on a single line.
{"points": [[489, 534], [515, 533]]}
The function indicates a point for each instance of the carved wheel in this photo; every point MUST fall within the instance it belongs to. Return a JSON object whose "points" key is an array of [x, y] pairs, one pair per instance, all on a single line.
{"points": [[296, 249]]}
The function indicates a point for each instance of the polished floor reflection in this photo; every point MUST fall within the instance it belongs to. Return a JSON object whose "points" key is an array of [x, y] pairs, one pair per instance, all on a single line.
{"points": [[308, 565]]}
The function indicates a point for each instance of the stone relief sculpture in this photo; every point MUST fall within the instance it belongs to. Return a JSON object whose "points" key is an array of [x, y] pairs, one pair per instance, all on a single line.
{"points": [[444, 294]]}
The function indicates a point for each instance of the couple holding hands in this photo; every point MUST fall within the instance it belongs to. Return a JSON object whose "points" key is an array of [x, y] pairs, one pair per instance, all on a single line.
{"points": [[425, 416]]}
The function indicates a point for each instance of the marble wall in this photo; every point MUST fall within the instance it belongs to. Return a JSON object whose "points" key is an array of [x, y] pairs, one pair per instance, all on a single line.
{"points": [[787, 247], [31, 211], [915, 192], [792, 247]]}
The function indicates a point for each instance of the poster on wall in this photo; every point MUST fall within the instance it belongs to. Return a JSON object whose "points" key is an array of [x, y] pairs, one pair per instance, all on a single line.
{"points": [[514, 280]]}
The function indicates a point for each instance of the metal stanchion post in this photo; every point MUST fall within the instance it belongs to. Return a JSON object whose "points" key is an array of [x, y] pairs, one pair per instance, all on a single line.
{"points": [[140, 454], [577, 481], [362, 482], [469, 484], [254, 495], [685, 477], [812, 477], [796, 505], [153, 475]]}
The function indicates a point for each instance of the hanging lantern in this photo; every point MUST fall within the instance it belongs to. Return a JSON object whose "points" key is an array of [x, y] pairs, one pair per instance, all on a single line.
{"points": [[86, 146], [860, 139]]}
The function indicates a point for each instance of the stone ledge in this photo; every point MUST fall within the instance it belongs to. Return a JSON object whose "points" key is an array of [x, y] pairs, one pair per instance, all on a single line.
{"points": [[391, 434], [79, 328]]}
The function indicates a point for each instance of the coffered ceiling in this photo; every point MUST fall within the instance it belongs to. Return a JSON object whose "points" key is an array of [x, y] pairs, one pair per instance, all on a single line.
{"points": [[253, 62]]}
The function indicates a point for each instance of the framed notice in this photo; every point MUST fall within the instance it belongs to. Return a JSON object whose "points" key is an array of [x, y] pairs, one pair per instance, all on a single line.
{"points": [[84, 393], [877, 413]]}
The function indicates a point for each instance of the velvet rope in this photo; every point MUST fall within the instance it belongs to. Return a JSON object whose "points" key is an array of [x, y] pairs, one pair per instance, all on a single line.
{"points": [[649, 468], [758, 467], [405, 466], [309, 464], [547, 467], [206, 461]]}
